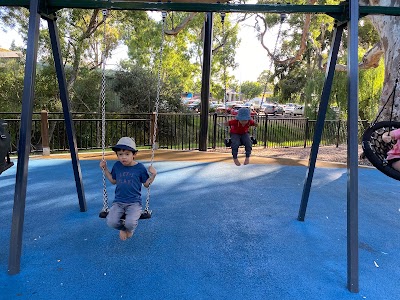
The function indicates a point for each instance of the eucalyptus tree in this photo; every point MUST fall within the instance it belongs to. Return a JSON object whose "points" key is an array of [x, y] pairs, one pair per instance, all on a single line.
{"points": [[306, 39], [183, 51], [83, 42], [387, 46]]}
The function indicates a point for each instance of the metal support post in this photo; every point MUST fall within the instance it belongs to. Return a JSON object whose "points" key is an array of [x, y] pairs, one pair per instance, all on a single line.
{"points": [[24, 145], [69, 125], [319, 126], [352, 150], [205, 87]]}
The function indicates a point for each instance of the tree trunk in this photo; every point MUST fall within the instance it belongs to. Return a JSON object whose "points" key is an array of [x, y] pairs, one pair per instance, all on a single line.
{"points": [[388, 28]]}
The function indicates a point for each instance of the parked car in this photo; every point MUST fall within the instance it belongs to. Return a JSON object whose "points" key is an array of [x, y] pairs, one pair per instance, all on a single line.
{"points": [[288, 106], [228, 106], [255, 103], [268, 108], [194, 106], [212, 107], [294, 110], [279, 110], [235, 110], [220, 109]]}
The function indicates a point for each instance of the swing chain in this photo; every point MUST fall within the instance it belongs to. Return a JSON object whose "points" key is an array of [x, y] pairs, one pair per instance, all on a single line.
{"points": [[156, 104], [223, 53], [282, 19], [105, 14], [391, 96], [223, 14], [103, 112]]}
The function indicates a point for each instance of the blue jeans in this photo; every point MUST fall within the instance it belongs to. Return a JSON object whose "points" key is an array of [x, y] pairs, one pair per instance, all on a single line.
{"points": [[132, 212], [241, 139]]}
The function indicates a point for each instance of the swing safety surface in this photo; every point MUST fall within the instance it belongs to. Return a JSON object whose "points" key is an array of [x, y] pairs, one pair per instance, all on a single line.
{"points": [[217, 231]]}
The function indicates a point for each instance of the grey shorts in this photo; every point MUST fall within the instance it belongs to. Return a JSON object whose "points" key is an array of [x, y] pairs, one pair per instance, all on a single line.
{"points": [[132, 212]]}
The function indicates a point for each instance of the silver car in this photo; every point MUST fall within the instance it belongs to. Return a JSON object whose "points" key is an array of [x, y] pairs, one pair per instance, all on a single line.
{"points": [[268, 108]]}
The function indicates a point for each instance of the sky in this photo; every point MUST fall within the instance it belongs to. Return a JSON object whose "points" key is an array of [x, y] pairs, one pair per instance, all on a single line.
{"points": [[251, 57]]}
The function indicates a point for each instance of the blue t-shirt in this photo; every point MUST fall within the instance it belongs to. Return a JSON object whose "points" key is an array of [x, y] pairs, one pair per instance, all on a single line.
{"points": [[129, 182]]}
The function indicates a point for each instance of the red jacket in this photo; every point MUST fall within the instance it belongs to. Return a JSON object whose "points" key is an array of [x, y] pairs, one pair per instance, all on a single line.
{"points": [[238, 128]]}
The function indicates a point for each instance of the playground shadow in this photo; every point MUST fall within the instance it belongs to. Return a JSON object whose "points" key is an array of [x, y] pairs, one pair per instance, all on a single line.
{"points": [[218, 232]]}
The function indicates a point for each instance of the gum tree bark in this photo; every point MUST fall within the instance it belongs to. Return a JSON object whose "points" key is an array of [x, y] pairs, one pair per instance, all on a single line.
{"points": [[388, 28]]}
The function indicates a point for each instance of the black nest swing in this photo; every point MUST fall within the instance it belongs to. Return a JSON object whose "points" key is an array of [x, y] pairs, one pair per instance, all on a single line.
{"points": [[375, 149], [5, 141]]}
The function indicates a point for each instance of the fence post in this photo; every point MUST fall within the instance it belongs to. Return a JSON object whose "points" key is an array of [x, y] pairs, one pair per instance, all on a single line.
{"points": [[214, 142], [45, 132], [306, 135], [338, 134], [265, 131]]}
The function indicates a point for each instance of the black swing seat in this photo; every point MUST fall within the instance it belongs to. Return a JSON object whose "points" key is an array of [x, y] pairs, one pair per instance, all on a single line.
{"points": [[228, 141], [146, 214], [5, 166], [375, 149]]}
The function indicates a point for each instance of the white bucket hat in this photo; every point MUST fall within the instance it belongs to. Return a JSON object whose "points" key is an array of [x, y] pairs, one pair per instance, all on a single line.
{"points": [[125, 143]]}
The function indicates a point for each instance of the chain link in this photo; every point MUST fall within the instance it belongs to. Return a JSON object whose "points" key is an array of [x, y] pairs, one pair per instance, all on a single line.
{"points": [[103, 112], [223, 14], [282, 19], [156, 105]]}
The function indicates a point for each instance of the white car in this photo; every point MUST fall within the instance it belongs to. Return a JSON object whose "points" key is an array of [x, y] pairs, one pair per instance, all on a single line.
{"points": [[268, 108], [294, 109]]}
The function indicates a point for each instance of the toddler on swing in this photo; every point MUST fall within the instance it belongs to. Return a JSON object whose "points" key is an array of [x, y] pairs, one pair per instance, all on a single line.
{"points": [[393, 155], [129, 176], [239, 132]]}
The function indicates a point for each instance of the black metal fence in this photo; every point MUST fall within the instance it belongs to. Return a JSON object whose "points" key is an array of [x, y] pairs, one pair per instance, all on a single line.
{"points": [[178, 131]]}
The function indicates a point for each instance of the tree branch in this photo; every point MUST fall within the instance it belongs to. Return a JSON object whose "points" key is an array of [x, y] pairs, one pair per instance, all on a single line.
{"points": [[304, 37], [182, 25], [370, 59]]}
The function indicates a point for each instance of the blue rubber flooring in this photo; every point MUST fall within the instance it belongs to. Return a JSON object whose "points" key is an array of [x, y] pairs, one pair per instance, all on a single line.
{"points": [[218, 232]]}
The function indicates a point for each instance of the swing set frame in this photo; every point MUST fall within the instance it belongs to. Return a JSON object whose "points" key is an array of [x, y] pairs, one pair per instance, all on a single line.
{"points": [[346, 14]]}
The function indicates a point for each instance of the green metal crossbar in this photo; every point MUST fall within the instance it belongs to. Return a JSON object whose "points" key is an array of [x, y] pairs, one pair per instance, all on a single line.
{"points": [[339, 12]]}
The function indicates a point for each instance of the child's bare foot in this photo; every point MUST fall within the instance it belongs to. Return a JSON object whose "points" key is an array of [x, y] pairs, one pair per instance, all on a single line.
{"points": [[236, 161], [128, 234], [247, 161], [123, 235]]}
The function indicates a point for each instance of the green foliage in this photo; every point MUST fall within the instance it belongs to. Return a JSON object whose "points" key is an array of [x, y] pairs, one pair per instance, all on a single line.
{"points": [[142, 35], [11, 84], [225, 43], [291, 84], [46, 89], [134, 86], [367, 35], [370, 89], [137, 91], [183, 52], [251, 89], [86, 91], [302, 82]]}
